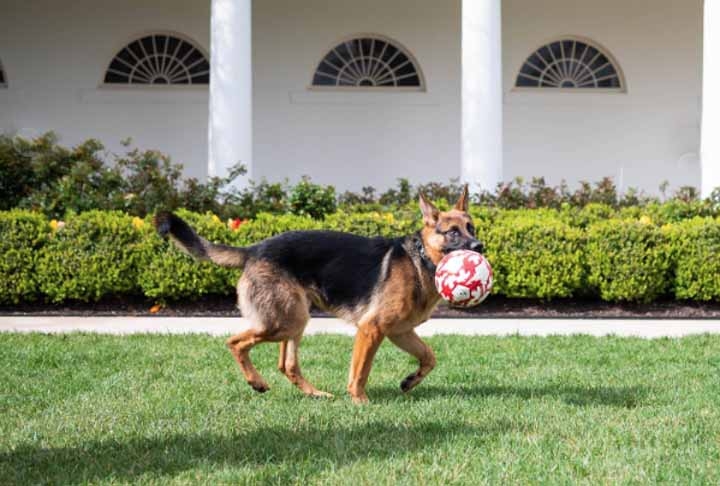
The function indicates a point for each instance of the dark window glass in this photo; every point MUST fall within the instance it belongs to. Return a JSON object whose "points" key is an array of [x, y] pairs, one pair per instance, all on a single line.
{"points": [[159, 60], [367, 62], [569, 64]]}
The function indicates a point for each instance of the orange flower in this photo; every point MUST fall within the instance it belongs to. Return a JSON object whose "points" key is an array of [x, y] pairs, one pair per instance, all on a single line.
{"points": [[155, 309], [236, 223]]}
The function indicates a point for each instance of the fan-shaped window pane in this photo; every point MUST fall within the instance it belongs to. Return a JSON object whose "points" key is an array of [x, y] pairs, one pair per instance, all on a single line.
{"points": [[368, 62], [3, 81], [570, 63], [159, 59]]}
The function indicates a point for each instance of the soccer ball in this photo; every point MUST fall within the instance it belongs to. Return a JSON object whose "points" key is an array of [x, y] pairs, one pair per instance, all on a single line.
{"points": [[464, 278]]}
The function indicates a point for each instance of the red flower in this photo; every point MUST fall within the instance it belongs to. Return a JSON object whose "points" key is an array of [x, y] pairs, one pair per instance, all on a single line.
{"points": [[236, 223]]}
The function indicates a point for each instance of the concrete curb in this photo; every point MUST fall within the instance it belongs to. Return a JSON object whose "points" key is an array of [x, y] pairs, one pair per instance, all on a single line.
{"points": [[222, 326]]}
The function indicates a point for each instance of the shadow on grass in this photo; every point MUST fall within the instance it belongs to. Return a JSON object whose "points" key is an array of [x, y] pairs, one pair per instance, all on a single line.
{"points": [[613, 396], [314, 448]]}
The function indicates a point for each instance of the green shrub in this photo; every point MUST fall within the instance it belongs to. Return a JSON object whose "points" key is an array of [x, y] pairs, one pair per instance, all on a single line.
{"points": [[370, 224], [95, 254], [546, 253], [628, 260], [585, 216], [168, 273], [267, 225], [314, 200], [695, 246], [534, 257], [22, 234]]}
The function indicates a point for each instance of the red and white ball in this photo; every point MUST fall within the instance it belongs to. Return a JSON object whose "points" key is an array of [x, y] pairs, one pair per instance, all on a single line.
{"points": [[464, 278]]}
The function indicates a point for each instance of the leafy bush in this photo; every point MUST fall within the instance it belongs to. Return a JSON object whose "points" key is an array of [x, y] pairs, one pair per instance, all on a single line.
{"points": [[95, 254], [371, 224], [268, 225], [22, 234], [167, 273], [314, 200], [542, 253], [534, 257], [41, 175], [695, 246], [628, 260], [256, 198]]}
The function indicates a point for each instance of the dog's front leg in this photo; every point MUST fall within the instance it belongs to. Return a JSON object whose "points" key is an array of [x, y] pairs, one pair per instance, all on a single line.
{"points": [[411, 343], [367, 341]]}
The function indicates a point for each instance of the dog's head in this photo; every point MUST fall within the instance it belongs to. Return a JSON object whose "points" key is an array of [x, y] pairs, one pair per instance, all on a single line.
{"points": [[446, 231]]}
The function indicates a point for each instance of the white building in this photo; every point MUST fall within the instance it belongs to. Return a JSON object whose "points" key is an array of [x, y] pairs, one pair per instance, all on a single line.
{"points": [[465, 95]]}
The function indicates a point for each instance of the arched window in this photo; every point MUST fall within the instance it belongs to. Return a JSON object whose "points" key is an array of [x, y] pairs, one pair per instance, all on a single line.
{"points": [[571, 63], [3, 79], [368, 61], [159, 59]]}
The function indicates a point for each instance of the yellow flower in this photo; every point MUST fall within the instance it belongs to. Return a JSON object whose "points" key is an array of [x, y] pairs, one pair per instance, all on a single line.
{"points": [[56, 225], [645, 219], [137, 222], [215, 218]]}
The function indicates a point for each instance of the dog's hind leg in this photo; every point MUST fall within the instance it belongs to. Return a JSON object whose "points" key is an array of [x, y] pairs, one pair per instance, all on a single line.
{"points": [[281, 356], [240, 346], [292, 369], [411, 343]]}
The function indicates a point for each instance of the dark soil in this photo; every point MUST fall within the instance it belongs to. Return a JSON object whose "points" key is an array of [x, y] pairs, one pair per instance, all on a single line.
{"points": [[493, 307]]}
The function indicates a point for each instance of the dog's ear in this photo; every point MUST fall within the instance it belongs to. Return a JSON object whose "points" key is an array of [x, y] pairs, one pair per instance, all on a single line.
{"points": [[463, 201], [429, 211]]}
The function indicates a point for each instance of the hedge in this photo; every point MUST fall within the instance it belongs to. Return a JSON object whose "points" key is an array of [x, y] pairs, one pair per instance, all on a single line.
{"points": [[22, 234], [695, 247], [594, 251], [95, 254], [534, 255], [628, 260]]}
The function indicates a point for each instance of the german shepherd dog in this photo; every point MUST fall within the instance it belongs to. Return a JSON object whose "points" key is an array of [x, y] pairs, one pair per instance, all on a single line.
{"points": [[384, 286]]}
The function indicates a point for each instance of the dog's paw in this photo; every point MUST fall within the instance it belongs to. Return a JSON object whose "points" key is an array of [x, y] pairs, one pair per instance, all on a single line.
{"points": [[409, 382], [360, 399], [259, 387]]}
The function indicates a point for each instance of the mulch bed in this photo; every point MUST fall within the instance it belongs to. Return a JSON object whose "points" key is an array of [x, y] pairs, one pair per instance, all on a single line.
{"points": [[494, 307]]}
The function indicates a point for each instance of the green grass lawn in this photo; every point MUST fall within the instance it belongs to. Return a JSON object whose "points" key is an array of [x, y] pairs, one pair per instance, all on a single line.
{"points": [[174, 409]]}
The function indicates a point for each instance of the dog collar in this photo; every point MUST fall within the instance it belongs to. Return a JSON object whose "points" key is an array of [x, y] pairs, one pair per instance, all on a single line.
{"points": [[427, 263]]}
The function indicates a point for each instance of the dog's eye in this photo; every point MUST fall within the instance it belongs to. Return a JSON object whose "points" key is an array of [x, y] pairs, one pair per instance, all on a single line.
{"points": [[454, 232], [471, 229]]}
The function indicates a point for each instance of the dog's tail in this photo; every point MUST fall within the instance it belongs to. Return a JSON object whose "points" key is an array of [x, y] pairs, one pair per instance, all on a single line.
{"points": [[187, 240]]}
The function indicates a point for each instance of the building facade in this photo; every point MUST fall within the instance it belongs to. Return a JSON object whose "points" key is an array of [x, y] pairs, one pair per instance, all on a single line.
{"points": [[564, 89]]}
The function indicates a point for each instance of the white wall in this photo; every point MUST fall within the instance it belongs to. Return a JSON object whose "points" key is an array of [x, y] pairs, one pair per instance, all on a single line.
{"points": [[55, 54], [355, 139], [652, 132]]}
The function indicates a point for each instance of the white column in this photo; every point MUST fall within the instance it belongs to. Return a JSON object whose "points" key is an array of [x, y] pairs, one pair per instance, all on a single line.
{"points": [[482, 144], [230, 120], [710, 135]]}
